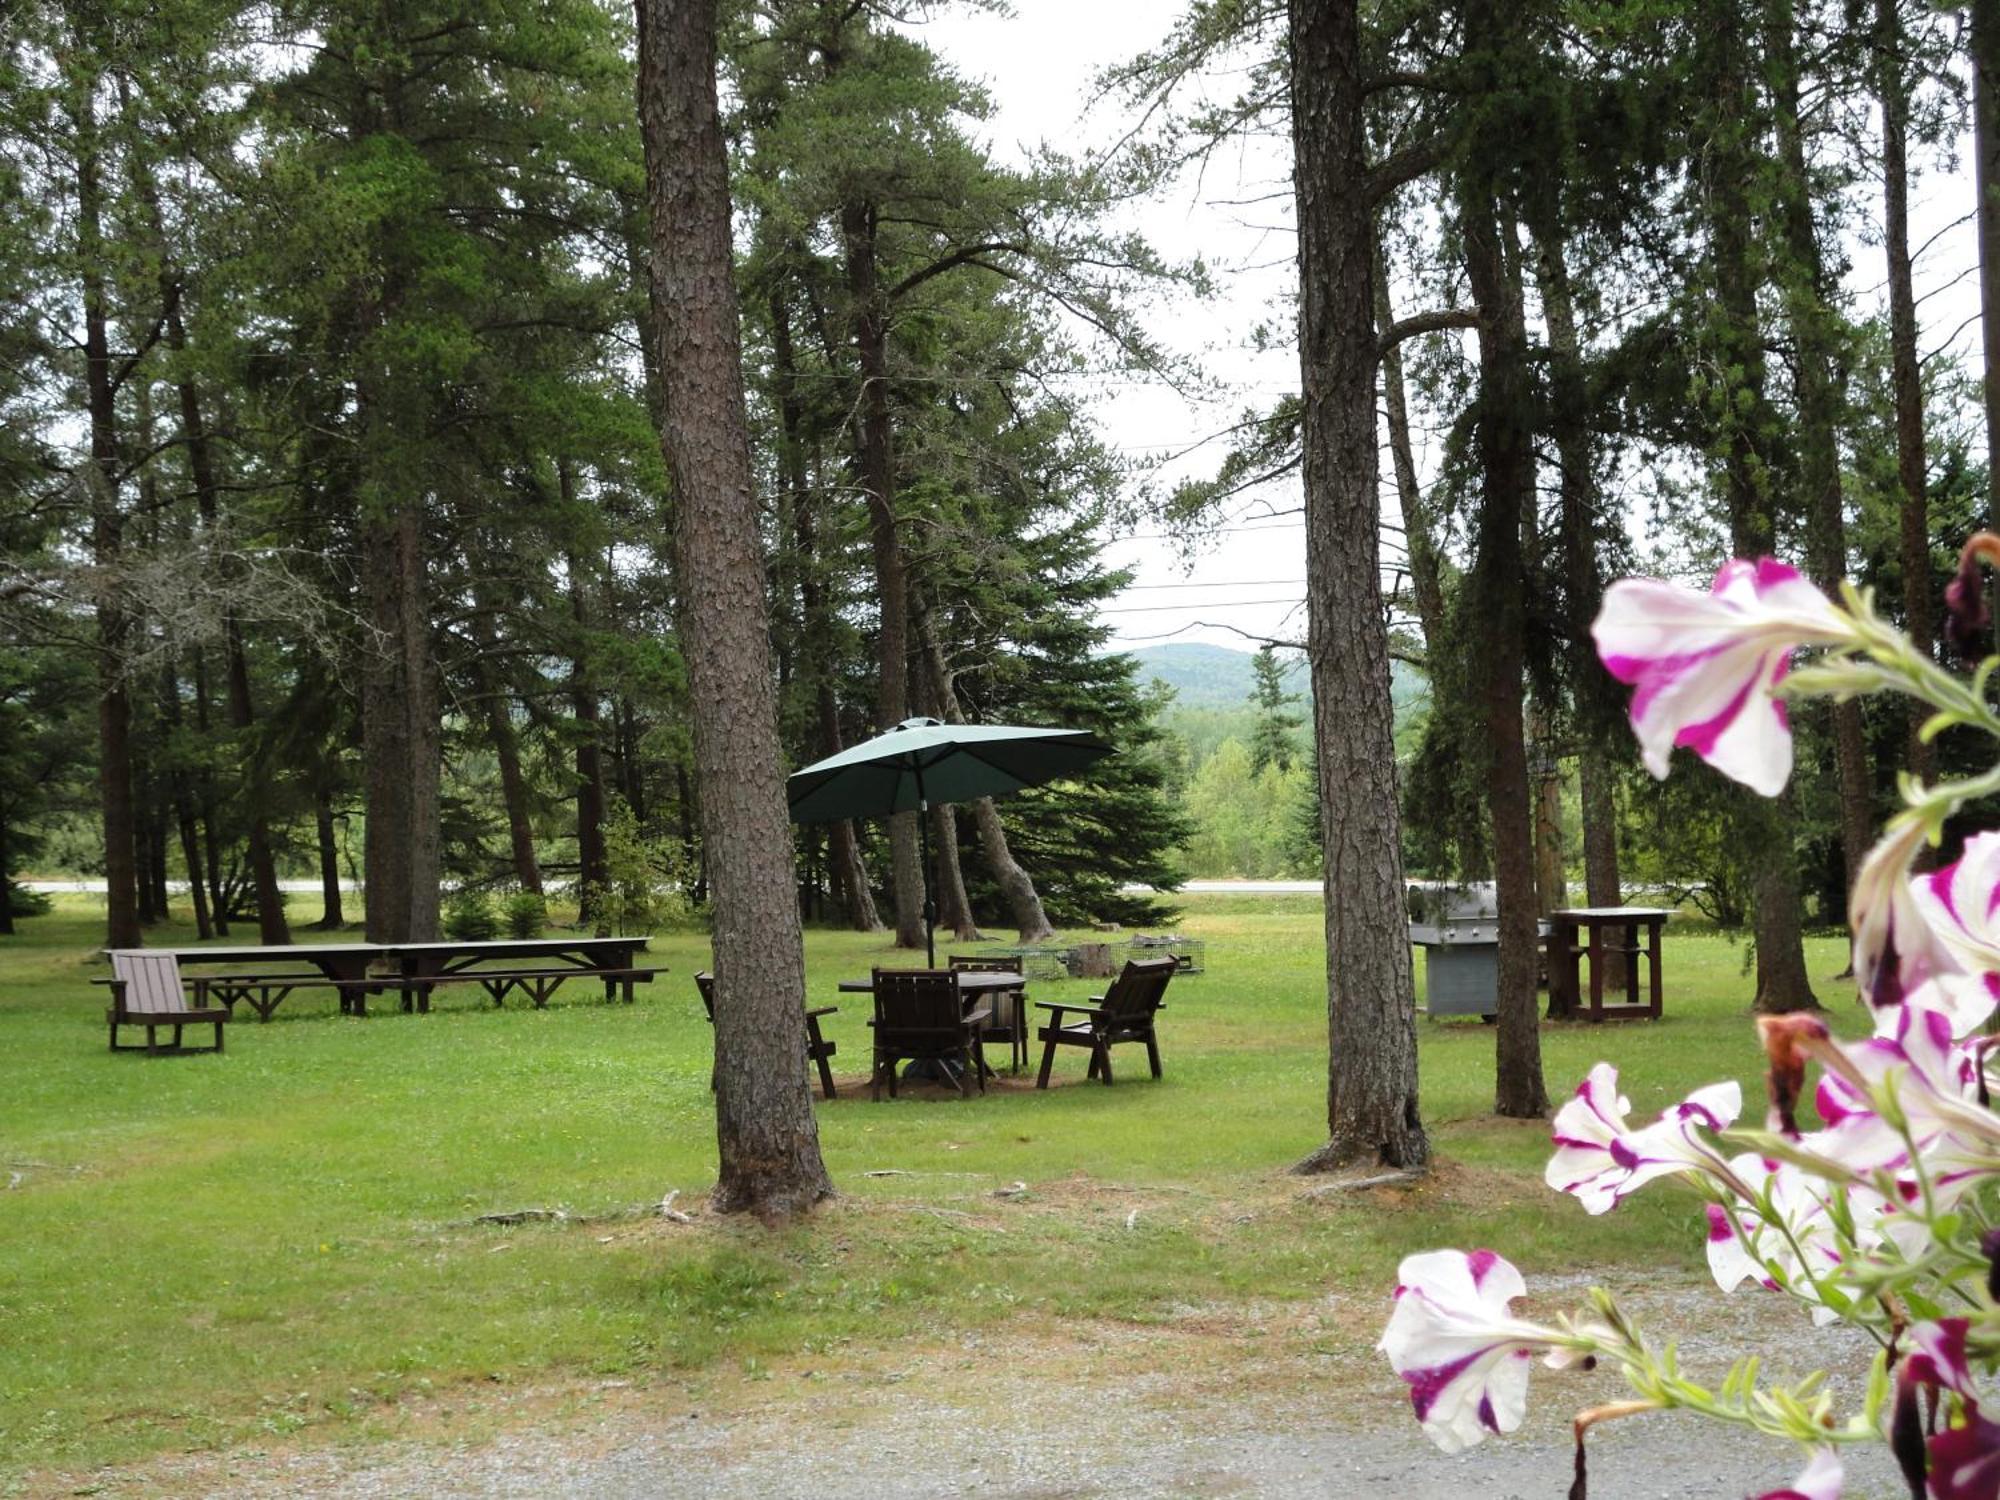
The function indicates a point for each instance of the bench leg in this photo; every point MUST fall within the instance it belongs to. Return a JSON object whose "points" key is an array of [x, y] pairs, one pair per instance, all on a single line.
{"points": [[218, 1036]]}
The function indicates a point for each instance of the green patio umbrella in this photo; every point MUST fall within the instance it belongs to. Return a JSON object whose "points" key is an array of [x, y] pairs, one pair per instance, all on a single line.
{"points": [[922, 761]]}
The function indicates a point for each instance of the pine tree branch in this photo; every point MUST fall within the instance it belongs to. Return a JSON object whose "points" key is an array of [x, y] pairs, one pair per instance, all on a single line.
{"points": [[1403, 165], [966, 256], [1434, 321]]}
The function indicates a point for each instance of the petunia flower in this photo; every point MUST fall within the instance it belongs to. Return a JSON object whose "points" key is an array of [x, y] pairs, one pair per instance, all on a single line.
{"points": [[1787, 1237], [1965, 1458], [1960, 906], [1900, 926], [1705, 665], [1458, 1348], [1821, 1480], [1600, 1159]]}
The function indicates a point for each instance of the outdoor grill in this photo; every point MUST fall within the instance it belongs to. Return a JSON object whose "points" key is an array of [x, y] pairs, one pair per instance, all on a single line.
{"points": [[1458, 927]]}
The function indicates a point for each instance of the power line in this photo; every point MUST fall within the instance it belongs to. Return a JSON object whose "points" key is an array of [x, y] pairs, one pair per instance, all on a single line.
{"points": [[1235, 583], [1155, 609]]}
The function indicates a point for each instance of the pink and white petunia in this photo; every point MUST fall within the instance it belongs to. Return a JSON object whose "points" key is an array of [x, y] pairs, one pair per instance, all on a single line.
{"points": [[1599, 1157], [1458, 1348], [1960, 905], [1821, 1480], [1900, 942], [1705, 665], [1935, 1083], [1788, 1237]]}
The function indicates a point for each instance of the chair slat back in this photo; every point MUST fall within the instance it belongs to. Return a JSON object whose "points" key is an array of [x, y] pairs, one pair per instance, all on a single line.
{"points": [[152, 983], [1141, 988], [968, 963], [705, 982], [917, 1000]]}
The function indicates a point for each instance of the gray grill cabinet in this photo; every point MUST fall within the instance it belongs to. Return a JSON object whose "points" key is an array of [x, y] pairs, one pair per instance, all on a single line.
{"points": [[1458, 927]]}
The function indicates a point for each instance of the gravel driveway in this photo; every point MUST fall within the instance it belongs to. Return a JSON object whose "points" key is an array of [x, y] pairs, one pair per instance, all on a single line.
{"points": [[1263, 1401]]}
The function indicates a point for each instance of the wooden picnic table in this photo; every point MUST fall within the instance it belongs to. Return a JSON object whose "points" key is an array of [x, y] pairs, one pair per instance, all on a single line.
{"points": [[357, 970]]}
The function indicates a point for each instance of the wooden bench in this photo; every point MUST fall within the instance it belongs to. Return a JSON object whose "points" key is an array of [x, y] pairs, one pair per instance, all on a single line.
{"points": [[537, 984], [147, 990]]}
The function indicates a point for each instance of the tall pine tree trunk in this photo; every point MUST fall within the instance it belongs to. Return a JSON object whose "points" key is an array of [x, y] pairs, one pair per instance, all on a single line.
{"points": [[769, 1139], [331, 915], [1419, 541], [211, 845], [843, 850], [400, 727], [1031, 922], [1764, 829], [1372, 1109], [114, 705], [1507, 475], [593, 860], [514, 793], [186, 826], [1810, 315], [1905, 373], [1984, 42], [1594, 697], [871, 345]]}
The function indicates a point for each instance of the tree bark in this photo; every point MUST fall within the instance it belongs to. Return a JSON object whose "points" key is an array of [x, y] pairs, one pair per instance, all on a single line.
{"points": [[1594, 700], [331, 915], [1419, 542], [1031, 922], [850, 876], [114, 706], [1810, 314], [184, 804], [218, 907], [592, 857], [1984, 46], [1905, 373], [400, 731], [1372, 1111], [1507, 474], [871, 345], [1764, 829], [768, 1137]]}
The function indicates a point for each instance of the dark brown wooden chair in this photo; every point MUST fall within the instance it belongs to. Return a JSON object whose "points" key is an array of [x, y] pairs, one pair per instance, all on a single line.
{"points": [[818, 1048], [1123, 1013], [921, 1013], [1009, 1007]]}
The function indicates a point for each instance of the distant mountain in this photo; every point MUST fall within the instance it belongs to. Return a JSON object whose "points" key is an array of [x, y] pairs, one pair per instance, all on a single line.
{"points": [[1220, 677]]}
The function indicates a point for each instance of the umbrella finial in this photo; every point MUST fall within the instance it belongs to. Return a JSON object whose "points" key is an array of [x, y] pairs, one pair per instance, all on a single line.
{"points": [[921, 722]]}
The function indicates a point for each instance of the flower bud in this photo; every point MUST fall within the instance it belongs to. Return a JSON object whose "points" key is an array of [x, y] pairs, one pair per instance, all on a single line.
{"points": [[1784, 1038], [1966, 618]]}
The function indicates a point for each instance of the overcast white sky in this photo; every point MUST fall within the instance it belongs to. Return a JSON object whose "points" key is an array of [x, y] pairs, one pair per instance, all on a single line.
{"points": [[1038, 64]]}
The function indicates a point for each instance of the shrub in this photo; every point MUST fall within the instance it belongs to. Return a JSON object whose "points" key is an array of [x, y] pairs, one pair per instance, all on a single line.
{"points": [[470, 917], [526, 913]]}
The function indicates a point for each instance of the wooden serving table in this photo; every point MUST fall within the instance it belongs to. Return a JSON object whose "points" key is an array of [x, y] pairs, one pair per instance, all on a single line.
{"points": [[1596, 931]]}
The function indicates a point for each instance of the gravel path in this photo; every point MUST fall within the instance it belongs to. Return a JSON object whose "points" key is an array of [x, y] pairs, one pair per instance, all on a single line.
{"points": [[1220, 1402]]}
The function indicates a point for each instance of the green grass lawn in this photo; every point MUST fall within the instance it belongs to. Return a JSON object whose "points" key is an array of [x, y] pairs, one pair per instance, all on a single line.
{"points": [[196, 1251]]}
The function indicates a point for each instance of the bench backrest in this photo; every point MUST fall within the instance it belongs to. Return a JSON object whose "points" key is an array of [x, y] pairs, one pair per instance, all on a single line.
{"points": [[967, 963], [1141, 989], [152, 983]]}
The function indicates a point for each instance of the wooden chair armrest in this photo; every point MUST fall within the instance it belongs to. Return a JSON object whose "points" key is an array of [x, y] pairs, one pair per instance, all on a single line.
{"points": [[980, 1016], [1083, 1010], [824, 1010]]}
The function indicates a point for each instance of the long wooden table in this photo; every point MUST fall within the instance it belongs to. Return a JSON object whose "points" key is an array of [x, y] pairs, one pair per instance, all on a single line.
{"points": [[413, 970]]}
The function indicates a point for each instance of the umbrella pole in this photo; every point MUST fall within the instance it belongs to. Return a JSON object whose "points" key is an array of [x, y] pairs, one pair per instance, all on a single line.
{"points": [[924, 841]]}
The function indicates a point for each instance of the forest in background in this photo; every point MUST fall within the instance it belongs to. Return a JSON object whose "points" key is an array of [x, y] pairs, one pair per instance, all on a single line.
{"points": [[335, 525]]}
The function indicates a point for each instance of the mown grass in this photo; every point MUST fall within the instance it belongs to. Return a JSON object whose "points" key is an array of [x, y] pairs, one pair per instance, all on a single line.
{"points": [[195, 1251]]}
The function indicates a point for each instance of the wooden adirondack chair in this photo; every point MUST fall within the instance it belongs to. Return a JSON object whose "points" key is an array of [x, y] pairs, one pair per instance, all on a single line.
{"points": [[147, 990], [818, 1048], [920, 1013], [1123, 1013], [1010, 1007]]}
